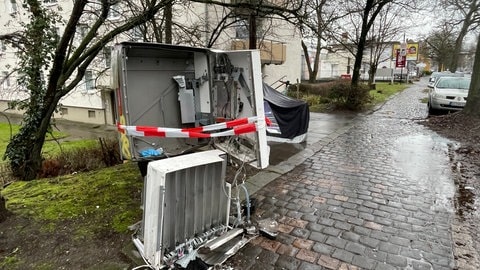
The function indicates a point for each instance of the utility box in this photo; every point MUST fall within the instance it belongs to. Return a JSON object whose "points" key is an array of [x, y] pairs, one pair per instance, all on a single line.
{"points": [[170, 103], [166, 94]]}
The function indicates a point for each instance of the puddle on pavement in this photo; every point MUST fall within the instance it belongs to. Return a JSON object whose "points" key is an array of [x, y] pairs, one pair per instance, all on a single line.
{"points": [[424, 159], [432, 162], [282, 151]]}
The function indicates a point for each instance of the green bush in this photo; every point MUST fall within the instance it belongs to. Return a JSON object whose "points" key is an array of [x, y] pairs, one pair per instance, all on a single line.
{"points": [[338, 93], [427, 72], [312, 100], [292, 92], [82, 159], [321, 89], [347, 97]]}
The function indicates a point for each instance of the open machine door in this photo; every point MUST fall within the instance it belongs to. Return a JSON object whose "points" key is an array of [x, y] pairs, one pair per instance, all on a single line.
{"points": [[173, 99]]}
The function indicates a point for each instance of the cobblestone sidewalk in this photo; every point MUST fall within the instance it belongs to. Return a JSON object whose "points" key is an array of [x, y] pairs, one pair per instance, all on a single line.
{"points": [[363, 198]]}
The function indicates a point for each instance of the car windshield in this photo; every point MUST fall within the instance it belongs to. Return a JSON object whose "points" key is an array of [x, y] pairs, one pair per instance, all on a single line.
{"points": [[454, 83]]}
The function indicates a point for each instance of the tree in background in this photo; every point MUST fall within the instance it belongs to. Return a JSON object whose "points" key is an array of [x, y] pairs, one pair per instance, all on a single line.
{"points": [[464, 18], [472, 108], [369, 11], [384, 30], [352, 33], [441, 46], [51, 65], [371, 22], [318, 19], [163, 28]]}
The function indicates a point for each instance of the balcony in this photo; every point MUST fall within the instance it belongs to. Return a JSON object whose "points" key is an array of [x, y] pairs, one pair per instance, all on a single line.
{"points": [[271, 52]]}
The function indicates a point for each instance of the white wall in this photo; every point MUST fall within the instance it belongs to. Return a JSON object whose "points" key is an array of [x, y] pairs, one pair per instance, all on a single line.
{"points": [[290, 70], [82, 99], [8, 61]]}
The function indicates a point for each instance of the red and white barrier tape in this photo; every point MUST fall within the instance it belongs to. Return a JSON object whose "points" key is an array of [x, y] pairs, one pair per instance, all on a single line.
{"points": [[224, 125], [236, 127]]}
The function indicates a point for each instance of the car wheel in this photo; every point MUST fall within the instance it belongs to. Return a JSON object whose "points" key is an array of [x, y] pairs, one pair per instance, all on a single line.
{"points": [[431, 111]]}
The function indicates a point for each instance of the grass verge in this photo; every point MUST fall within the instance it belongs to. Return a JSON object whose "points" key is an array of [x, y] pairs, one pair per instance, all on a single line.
{"points": [[75, 221], [321, 97], [385, 90], [52, 144], [102, 198], [96, 201]]}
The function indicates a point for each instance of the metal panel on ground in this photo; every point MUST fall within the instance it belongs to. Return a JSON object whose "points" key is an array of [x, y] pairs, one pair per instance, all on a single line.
{"points": [[186, 203]]}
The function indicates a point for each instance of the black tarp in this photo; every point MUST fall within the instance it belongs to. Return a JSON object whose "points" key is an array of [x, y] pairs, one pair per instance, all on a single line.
{"points": [[292, 115]]}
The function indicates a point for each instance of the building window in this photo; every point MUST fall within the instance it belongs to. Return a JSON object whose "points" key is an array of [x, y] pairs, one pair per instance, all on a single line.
{"points": [[58, 34], [42, 77], [50, 2], [5, 80], [64, 111], [107, 55], [91, 114], [89, 80], [11, 6], [136, 34], [82, 30], [114, 12], [241, 29], [3, 47]]}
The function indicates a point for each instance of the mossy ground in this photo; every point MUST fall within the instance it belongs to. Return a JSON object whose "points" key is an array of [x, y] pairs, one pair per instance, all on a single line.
{"points": [[71, 212], [107, 197], [77, 221]]}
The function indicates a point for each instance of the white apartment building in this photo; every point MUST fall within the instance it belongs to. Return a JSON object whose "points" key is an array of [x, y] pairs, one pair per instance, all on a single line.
{"points": [[339, 61], [92, 100]]}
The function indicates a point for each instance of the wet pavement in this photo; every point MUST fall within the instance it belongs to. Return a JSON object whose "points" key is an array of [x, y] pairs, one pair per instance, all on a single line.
{"points": [[322, 126], [376, 191]]}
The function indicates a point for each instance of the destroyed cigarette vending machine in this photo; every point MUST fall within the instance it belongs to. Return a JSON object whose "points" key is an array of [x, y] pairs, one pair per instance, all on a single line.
{"points": [[172, 101]]}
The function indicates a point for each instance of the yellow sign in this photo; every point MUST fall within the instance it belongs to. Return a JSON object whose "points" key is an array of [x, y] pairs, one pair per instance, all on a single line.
{"points": [[124, 142], [412, 51]]}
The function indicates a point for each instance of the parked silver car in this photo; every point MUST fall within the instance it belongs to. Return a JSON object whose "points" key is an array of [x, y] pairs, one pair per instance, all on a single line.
{"points": [[435, 75], [448, 93]]}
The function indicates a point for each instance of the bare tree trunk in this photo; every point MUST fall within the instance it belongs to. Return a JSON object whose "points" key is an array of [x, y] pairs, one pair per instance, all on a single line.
{"points": [[373, 68], [168, 22], [359, 56], [252, 32], [34, 160], [371, 74], [307, 59], [312, 72], [361, 44], [370, 12], [466, 24], [472, 107], [458, 47], [316, 64], [24, 149]]}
